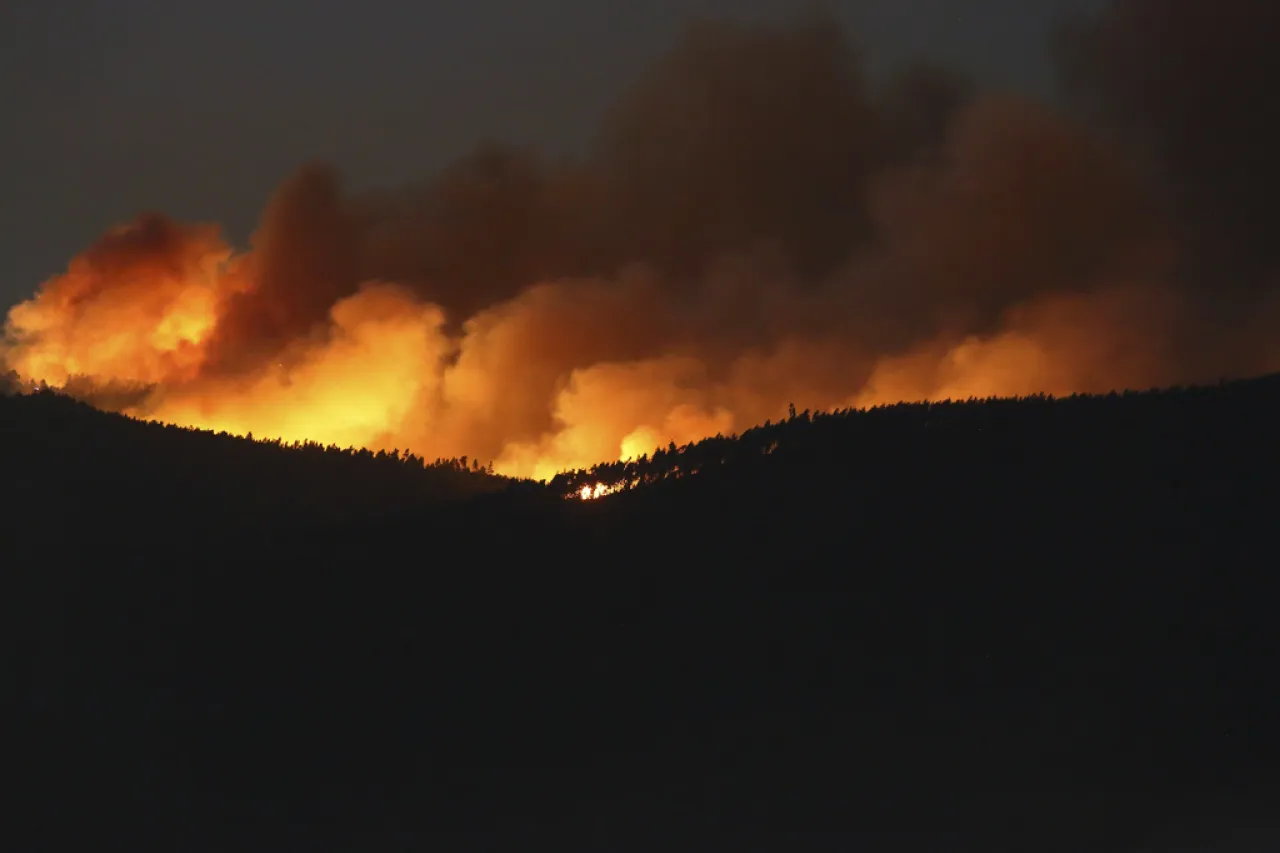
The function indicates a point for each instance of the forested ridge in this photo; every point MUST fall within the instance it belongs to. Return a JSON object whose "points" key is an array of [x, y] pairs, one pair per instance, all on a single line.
{"points": [[62, 453], [1012, 624]]}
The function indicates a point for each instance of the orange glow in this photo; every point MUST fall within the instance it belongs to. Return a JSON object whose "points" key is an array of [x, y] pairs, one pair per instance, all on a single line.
{"points": [[357, 389], [384, 372], [1008, 267], [756, 225], [599, 490], [142, 323]]}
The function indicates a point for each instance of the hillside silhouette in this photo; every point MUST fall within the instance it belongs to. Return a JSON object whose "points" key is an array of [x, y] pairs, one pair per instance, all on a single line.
{"points": [[64, 454], [995, 624]]}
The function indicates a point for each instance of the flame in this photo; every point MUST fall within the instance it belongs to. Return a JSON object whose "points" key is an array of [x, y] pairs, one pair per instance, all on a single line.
{"points": [[136, 324], [640, 442], [357, 389], [598, 490], [1021, 259], [383, 371], [757, 226]]}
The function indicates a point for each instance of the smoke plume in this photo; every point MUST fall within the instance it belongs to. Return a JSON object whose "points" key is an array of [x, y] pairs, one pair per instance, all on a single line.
{"points": [[755, 225], [1189, 85]]}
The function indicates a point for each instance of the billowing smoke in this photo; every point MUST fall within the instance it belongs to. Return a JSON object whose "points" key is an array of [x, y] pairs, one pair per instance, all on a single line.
{"points": [[756, 225], [1190, 85]]}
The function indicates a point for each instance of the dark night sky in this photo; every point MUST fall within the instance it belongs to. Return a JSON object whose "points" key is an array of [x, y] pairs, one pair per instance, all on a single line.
{"points": [[199, 109]]}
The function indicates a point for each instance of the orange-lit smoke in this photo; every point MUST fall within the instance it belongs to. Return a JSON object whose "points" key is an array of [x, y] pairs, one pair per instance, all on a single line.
{"points": [[138, 307], [757, 227]]}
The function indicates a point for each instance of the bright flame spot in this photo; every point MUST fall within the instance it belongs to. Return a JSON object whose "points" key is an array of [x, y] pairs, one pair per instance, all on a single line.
{"points": [[599, 490], [641, 442], [359, 388]]}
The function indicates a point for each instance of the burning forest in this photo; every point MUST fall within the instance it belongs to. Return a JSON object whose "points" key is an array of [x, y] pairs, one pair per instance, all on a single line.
{"points": [[757, 224]]}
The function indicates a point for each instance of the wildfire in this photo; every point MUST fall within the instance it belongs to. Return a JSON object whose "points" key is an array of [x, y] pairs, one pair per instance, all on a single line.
{"points": [[599, 490], [667, 287], [383, 371], [120, 312]]}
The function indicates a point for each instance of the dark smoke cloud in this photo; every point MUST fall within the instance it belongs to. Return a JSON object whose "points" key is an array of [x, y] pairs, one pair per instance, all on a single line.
{"points": [[743, 135], [1190, 83], [740, 136], [305, 259]]}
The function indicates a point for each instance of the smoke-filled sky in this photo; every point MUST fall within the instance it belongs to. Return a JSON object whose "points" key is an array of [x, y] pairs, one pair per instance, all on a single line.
{"points": [[759, 213], [198, 108]]}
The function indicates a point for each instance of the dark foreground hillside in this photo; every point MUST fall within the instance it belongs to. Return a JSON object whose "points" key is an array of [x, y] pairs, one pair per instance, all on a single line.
{"points": [[1009, 625], [71, 464]]}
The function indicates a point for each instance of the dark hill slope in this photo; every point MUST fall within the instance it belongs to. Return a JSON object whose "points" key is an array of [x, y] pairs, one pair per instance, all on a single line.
{"points": [[1029, 624], [66, 462]]}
